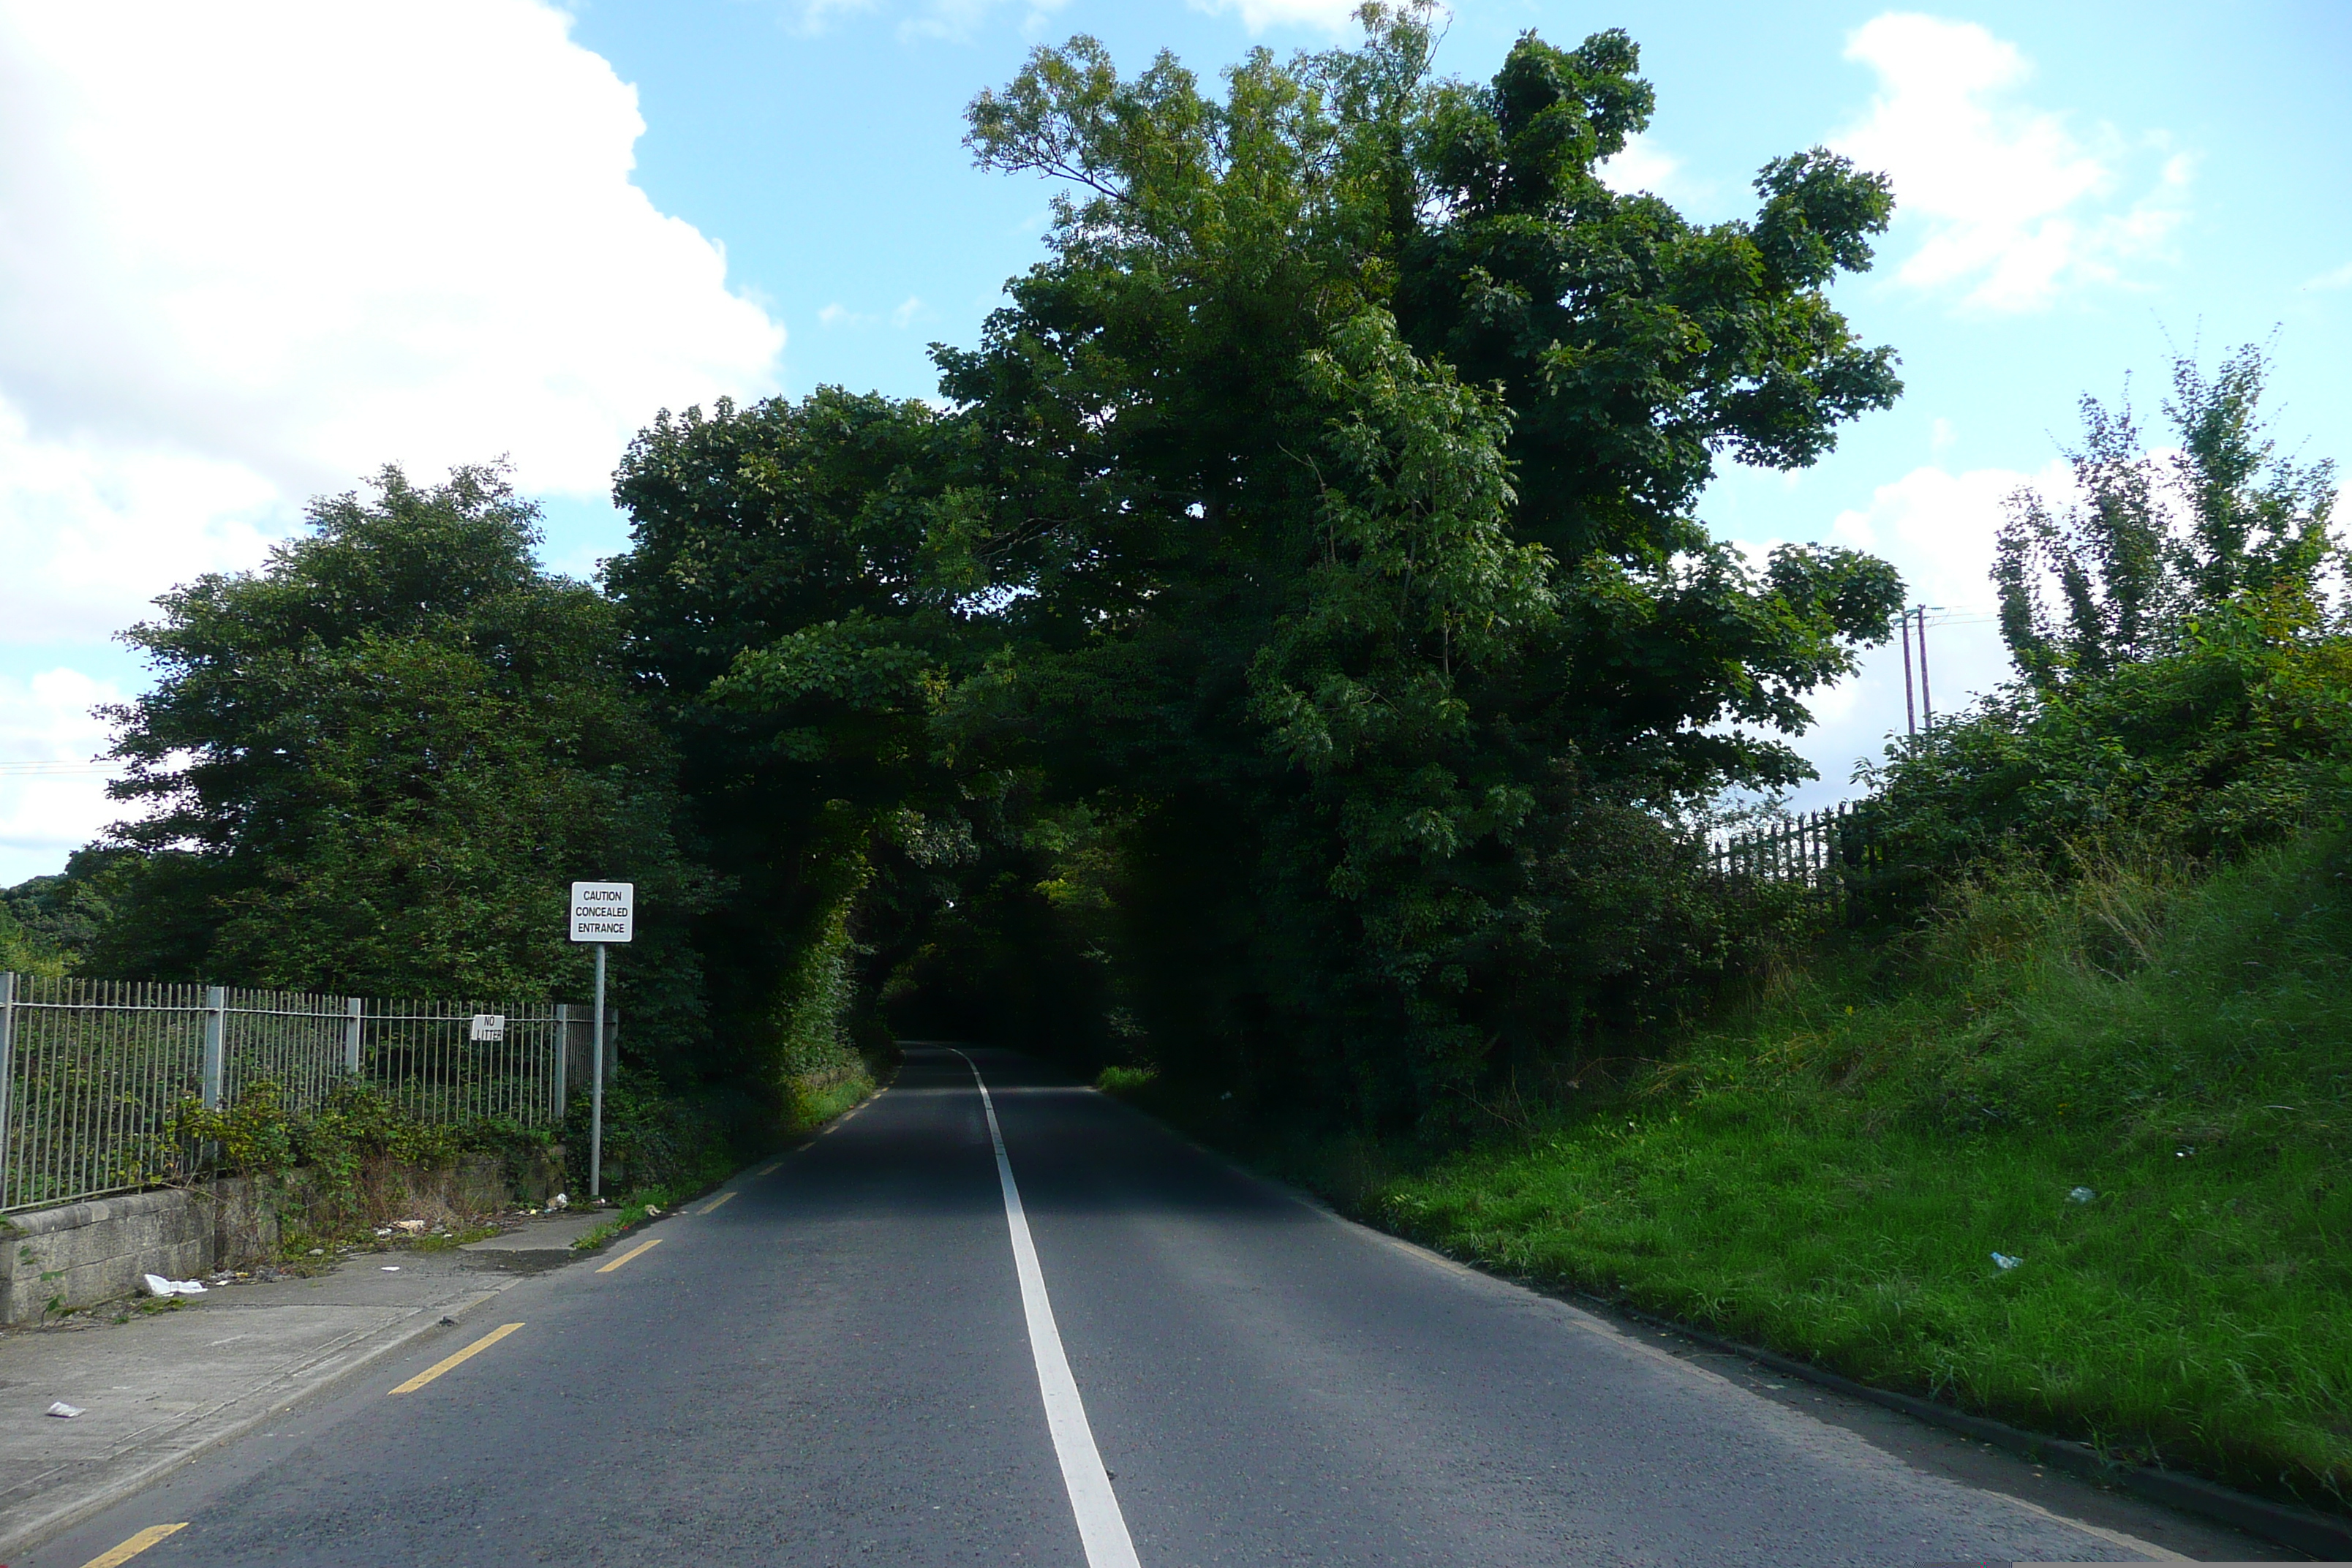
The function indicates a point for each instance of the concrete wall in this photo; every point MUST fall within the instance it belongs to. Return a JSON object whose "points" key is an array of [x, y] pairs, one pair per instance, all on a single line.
{"points": [[79, 1255]]}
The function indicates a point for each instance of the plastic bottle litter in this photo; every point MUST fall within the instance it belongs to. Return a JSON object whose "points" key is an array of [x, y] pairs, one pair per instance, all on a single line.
{"points": [[2003, 1261], [411, 1226], [159, 1286], [2080, 1195], [557, 1203], [392, 1267], [64, 1411]]}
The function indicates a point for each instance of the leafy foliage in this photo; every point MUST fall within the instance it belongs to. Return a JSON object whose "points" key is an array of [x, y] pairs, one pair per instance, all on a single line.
{"points": [[2188, 693], [338, 1145], [2158, 543], [374, 766], [1301, 568], [790, 599], [1343, 452]]}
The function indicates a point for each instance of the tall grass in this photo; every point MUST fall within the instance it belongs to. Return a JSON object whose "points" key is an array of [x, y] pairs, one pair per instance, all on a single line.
{"points": [[2137, 1085]]}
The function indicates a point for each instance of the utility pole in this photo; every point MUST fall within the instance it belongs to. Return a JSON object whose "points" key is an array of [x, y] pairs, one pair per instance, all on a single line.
{"points": [[1910, 714], [1922, 714], [1927, 698]]}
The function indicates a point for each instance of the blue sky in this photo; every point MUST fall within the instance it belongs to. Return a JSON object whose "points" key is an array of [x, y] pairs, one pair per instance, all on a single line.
{"points": [[251, 257]]}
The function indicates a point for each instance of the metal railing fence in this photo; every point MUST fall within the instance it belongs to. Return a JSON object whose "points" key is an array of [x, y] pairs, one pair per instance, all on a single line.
{"points": [[92, 1071], [1831, 851]]}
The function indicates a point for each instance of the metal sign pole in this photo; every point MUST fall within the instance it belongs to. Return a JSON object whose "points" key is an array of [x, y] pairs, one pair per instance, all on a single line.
{"points": [[596, 1094], [601, 913]]}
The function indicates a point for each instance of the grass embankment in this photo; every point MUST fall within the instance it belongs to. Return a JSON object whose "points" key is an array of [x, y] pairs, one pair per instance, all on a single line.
{"points": [[2140, 1089]]}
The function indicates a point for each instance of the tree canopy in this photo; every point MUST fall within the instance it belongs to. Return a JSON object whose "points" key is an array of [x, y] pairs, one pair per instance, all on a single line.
{"points": [[2184, 683], [1301, 567], [374, 766]]}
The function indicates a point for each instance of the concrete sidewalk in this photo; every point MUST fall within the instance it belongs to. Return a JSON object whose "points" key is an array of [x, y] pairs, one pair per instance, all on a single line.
{"points": [[169, 1383]]}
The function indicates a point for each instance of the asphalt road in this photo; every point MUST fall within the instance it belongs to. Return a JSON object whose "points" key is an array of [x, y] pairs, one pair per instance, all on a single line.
{"points": [[837, 1364]]}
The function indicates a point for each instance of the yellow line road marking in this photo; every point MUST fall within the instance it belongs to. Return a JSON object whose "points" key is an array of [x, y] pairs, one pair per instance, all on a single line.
{"points": [[641, 1247], [445, 1363], [724, 1197], [771, 1170], [135, 1545]]}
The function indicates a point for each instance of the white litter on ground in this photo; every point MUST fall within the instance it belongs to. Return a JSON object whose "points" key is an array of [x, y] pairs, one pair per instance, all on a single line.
{"points": [[64, 1411], [2003, 1260], [391, 1268], [159, 1286]]}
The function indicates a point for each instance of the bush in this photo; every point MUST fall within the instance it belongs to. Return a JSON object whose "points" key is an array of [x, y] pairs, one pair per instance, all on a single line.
{"points": [[2236, 740], [349, 1147]]}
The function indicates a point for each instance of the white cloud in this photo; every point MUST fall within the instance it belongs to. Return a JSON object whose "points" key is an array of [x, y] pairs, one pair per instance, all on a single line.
{"points": [[298, 241], [51, 800], [953, 21], [2015, 206], [1257, 16], [2339, 279], [93, 531], [906, 311], [249, 252], [1643, 166], [1938, 530]]}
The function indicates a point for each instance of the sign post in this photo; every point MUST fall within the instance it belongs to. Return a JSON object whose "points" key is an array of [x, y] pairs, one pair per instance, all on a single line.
{"points": [[601, 913]]}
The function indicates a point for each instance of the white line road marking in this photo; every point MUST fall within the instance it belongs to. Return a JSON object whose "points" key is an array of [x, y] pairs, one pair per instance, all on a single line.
{"points": [[1102, 1529]]}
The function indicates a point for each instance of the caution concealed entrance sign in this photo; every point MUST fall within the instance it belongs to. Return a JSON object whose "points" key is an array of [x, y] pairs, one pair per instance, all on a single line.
{"points": [[604, 911]]}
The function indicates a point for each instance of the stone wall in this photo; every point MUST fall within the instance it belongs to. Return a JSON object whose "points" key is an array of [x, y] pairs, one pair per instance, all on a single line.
{"points": [[85, 1253], [79, 1255]]}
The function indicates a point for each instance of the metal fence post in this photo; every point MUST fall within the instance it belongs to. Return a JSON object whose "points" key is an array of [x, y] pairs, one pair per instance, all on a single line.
{"points": [[216, 1014], [562, 1056], [352, 1010], [8, 1072]]}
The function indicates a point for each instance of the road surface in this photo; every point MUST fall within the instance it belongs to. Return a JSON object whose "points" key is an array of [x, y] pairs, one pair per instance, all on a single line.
{"points": [[845, 1357]]}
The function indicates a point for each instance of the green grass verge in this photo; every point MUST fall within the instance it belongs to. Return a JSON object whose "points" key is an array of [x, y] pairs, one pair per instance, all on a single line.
{"points": [[632, 1214], [1830, 1174]]}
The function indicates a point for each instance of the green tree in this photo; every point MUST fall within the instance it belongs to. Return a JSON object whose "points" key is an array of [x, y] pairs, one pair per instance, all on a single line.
{"points": [[1340, 464], [1291, 644], [2184, 687], [793, 596], [374, 766], [2152, 542]]}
